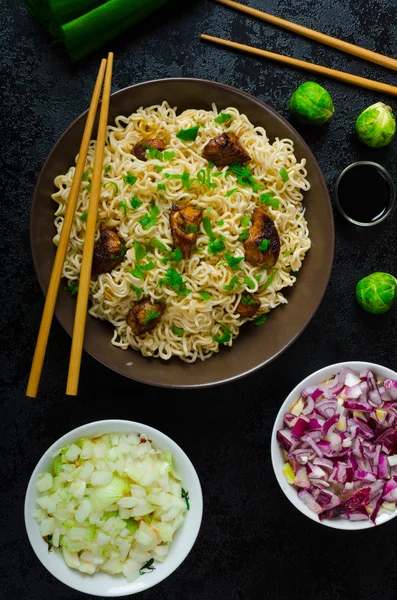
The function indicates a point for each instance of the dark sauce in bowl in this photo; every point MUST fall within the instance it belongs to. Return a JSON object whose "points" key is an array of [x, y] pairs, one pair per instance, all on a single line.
{"points": [[365, 193]]}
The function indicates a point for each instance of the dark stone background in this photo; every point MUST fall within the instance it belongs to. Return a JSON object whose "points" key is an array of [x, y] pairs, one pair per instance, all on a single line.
{"points": [[253, 543]]}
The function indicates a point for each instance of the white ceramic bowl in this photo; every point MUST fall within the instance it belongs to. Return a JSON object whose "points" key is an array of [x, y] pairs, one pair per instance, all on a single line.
{"points": [[102, 584], [277, 456]]}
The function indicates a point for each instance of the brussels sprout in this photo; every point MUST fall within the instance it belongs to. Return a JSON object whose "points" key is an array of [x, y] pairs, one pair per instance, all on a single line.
{"points": [[311, 104], [377, 292], [376, 126]]}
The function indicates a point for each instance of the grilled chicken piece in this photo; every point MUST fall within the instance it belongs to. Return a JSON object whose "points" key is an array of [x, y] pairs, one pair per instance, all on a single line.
{"points": [[248, 306], [145, 315], [108, 252], [262, 228], [139, 150], [225, 150], [183, 221]]}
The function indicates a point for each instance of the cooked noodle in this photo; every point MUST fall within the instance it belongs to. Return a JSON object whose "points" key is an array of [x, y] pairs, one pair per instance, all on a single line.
{"points": [[111, 295]]}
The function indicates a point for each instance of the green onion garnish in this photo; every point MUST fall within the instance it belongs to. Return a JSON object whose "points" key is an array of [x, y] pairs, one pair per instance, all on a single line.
{"points": [[161, 186], [188, 135], [140, 251], [135, 202], [221, 222], [205, 295], [245, 220], [157, 244], [137, 290], [270, 278], [288, 252], [85, 176], [154, 153], [244, 176], [73, 288], [269, 200], [107, 168], [247, 300], [185, 496], [217, 245], [114, 184], [84, 216], [174, 256], [151, 314], [222, 118], [204, 177], [227, 334], [208, 228], [231, 192], [150, 219], [260, 320], [177, 330], [123, 205], [233, 261], [264, 245], [168, 154], [244, 234], [130, 178], [250, 283], [233, 282], [284, 174], [174, 280], [191, 228]]}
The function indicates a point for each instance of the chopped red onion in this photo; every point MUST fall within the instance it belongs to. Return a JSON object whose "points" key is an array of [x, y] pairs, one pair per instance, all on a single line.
{"points": [[343, 447]]}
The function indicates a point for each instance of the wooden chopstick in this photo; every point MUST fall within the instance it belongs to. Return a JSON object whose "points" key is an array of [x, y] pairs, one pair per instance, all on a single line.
{"points": [[89, 240], [380, 59], [301, 64], [56, 273]]}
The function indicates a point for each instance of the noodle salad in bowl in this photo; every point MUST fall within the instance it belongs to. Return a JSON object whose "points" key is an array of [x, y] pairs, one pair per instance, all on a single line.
{"points": [[200, 228]]}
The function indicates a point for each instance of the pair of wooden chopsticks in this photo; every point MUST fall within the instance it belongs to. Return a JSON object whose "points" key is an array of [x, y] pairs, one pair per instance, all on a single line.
{"points": [[380, 59], [105, 73]]}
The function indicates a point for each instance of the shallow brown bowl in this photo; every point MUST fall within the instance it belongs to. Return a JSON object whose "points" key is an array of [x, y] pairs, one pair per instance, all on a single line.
{"points": [[255, 346]]}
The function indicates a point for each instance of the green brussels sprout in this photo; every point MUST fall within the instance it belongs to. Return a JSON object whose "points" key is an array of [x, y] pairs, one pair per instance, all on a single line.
{"points": [[377, 292], [311, 104], [376, 126]]}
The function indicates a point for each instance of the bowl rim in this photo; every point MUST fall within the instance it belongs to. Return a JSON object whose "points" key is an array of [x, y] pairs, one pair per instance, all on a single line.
{"points": [[324, 188], [276, 457], [81, 431]]}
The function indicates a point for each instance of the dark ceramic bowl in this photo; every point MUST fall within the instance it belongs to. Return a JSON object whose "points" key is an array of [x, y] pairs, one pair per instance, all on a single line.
{"points": [[255, 346]]}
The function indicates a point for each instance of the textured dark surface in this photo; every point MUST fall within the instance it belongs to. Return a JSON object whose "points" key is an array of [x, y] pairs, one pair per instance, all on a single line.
{"points": [[253, 543]]}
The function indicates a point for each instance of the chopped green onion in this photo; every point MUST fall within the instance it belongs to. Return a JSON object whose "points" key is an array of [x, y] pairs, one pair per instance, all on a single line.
{"points": [[222, 118], [174, 280], [149, 566], [177, 330], [157, 244], [288, 252], [233, 282], [135, 202], [247, 300], [85, 176], [137, 272], [151, 314], [227, 334], [208, 209], [114, 184], [216, 245], [221, 222], [244, 176], [158, 168], [260, 320], [204, 177], [130, 178], [84, 216], [191, 228], [245, 220], [233, 261], [231, 192], [264, 245], [161, 186], [208, 228], [205, 295], [244, 234], [123, 205], [284, 174], [250, 283], [88, 187], [122, 252], [148, 267], [188, 135], [73, 288], [107, 168], [154, 153], [269, 199], [140, 251], [150, 219], [137, 290], [270, 278], [174, 256], [168, 154]]}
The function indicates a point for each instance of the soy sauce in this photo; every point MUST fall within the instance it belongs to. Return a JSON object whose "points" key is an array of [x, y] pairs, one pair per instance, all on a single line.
{"points": [[364, 193]]}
